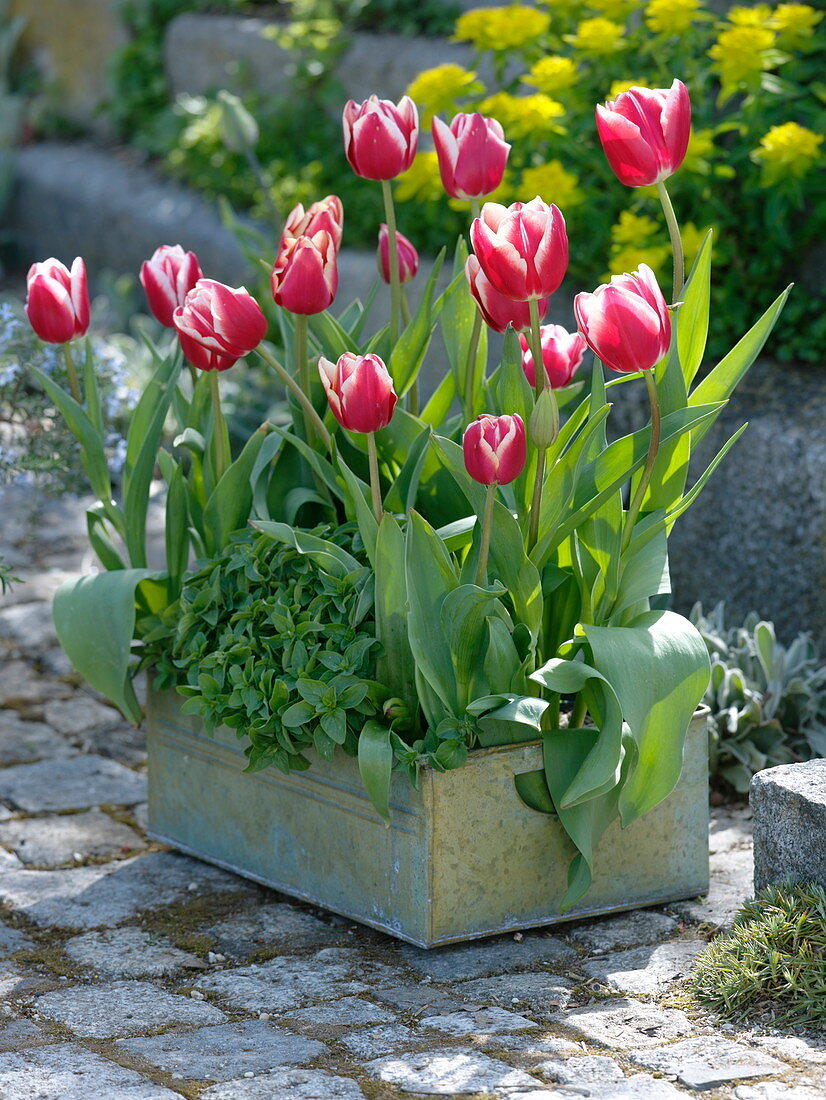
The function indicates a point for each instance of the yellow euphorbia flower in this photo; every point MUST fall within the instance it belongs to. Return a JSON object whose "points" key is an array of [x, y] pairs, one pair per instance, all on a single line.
{"points": [[552, 74], [553, 183], [787, 150], [692, 237], [523, 115], [670, 16], [436, 91], [633, 229], [597, 36], [795, 24], [501, 29], [757, 16], [740, 54]]}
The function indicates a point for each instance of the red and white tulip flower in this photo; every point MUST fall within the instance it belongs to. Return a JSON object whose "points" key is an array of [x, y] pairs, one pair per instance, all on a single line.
{"points": [[626, 322], [167, 278], [380, 137], [218, 324], [57, 300]]}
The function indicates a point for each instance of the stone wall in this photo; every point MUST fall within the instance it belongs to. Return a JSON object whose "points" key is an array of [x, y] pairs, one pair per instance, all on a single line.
{"points": [[71, 43]]}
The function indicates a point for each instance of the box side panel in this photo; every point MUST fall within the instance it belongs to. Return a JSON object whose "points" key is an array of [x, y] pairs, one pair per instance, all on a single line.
{"points": [[313, 835], [497, 865]]}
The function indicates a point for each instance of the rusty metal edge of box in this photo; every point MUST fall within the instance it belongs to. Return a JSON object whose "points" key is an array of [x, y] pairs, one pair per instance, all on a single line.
{"points": [[463, 857]]}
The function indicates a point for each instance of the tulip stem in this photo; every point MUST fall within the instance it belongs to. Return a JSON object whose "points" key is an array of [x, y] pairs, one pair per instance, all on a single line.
{"points": [[653, 447], [299, 394], [475, 209], [74, 385], [395, 281], [302, 370], [413, 392], [220, 435], [541, 382], [471, 380], [375, 485], [578, 713], [536, 502], [676, 242], [484, 545]]}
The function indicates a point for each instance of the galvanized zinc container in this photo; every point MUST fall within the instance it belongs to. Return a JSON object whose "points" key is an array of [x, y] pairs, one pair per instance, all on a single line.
{"points": [[463, 857]]}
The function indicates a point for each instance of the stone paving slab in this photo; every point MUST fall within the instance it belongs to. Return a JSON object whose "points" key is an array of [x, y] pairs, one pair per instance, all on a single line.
{"points": [[646, 969], [586, 1070], [776, 1090], [479, 1021], [224, 1052], [21, 1033], [640, 927], [130, 953], [79, 715], [375, 1041], [297, 1084], [22, 742], [74, 784], [344, 1012], [28, 626], [626, 1024], [450, 1072], [50, 841], [707, 1062], [285, 983], [123, 1008], [276, 922], [93, 897], [543, 991], [488, 957], [11, 940], [70, 1072]]}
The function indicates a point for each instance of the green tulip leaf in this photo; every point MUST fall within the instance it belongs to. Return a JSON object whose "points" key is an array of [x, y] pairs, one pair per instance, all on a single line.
{"points": [[375, 759], [95, 621]]}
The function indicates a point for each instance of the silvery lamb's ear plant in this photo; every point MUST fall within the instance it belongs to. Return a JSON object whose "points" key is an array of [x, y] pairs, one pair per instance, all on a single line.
{"points": [[507, 554], [767, 701]]}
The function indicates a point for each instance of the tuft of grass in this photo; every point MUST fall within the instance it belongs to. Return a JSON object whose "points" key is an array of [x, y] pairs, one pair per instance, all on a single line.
{"points": [[772, 963]]}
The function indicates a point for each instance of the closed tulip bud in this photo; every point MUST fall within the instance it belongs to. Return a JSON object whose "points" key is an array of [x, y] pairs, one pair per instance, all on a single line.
{"points": [[57, 300], [327, 214], [472, 154], [167, 279], [522, 248], [495, 449], [360, 391], [626, 322], [644, 133], [380, 137], [544, 422], [497, 310], [238, 129], [408, 256], [218, 324], [562, 353], [305, 275]]}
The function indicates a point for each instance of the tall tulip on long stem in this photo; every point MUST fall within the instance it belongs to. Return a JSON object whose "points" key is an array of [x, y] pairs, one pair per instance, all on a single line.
{"points": [[380, 141], [362, 399], [494, 449], [627, 325], [217, 325], [644, 133]]}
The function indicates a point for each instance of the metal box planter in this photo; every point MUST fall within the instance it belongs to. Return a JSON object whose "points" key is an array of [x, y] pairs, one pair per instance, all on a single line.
{"points": [[463, 857]]}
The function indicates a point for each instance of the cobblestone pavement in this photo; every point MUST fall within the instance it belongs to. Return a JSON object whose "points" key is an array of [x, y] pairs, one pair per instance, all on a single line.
{"points": [[128, 971]]}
